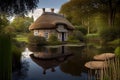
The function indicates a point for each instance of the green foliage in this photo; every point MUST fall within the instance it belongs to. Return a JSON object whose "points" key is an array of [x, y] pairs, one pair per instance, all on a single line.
{"points": [[21, 24], [110, 34], [53, 40], [53, 37], [79, 35], [3, 22], [92, 35], [17, 6], [72, 39], [5, 57], [115, 42], [117, 51], [92, 14], [76, 37], [16, 57], [22, 37], [37, 40], [82, 29]]}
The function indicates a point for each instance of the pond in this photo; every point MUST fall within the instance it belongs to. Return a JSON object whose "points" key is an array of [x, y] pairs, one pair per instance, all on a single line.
{"points": [[54, 63]]}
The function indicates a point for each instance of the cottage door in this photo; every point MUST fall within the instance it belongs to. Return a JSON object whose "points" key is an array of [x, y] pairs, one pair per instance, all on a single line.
{"points": [[63, 38]]}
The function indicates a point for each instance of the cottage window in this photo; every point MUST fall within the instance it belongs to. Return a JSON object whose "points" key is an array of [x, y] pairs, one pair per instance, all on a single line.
{"points": [[61, 28], [46, 35], [36, 32]]}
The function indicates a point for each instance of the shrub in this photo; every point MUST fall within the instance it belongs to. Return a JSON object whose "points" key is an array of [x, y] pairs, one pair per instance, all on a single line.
{"points": [[76, 37], [79, 35], [115, 42], [72, 39], [82, 29], [37, 40], [110, 34], [53, 40], [117, 51]]}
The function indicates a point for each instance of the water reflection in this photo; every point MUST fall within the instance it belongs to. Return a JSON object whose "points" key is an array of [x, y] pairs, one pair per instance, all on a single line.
{"points": [[49, 63], [75, 66], [52, 53]]}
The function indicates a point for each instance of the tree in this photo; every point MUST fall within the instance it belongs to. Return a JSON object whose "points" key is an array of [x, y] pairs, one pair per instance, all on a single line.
{"points": [[85, 12], [79, 12], [10, 7], [3, 22], [21, 23], [111, 7], [17, 6]]}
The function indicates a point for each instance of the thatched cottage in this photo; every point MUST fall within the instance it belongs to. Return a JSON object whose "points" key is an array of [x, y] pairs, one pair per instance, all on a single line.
{"points": [[51, 23]]}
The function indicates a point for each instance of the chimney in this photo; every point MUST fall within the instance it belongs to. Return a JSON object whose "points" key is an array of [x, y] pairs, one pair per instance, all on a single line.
{"points": [[43, 10], [52, 10]]}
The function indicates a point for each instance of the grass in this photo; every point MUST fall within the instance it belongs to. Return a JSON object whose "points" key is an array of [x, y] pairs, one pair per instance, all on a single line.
{"points": [[113, 70], [22, 38], [95, 35], [110, 73]]}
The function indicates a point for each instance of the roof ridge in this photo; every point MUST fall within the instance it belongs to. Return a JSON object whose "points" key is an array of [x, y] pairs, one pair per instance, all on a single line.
{"points": [[51, 13]]}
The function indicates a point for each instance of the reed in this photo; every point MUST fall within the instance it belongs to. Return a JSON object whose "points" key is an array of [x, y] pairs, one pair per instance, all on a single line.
{"points": [[5, 57], [112, 72]]}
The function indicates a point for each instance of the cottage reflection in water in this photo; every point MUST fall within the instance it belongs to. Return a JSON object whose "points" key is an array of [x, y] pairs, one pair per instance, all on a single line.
{"points": [[49, 58], [66, 62], [51, 53]]}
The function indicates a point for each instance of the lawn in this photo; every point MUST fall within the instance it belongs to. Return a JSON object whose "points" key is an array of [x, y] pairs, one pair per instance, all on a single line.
{"points": [[22, 38]]}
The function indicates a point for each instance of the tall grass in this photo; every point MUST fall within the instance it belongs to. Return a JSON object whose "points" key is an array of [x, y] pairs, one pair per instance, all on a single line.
{"points": [[5, 57], [112, 72]]}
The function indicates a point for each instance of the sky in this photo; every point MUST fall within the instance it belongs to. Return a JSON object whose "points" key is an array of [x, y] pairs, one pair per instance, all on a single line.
{"points": [[51, 3], [48, 4]]}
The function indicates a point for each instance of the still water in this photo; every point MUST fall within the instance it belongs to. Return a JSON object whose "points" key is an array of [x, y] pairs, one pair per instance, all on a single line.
{"points": [[54, 63]]}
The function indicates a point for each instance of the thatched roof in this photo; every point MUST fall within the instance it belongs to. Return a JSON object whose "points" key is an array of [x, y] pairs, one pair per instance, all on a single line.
{"points": [[49, 20]]}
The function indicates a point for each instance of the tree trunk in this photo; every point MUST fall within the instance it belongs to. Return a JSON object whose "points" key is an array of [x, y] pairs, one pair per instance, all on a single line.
{"points": [[111, 14], [88, 26]]}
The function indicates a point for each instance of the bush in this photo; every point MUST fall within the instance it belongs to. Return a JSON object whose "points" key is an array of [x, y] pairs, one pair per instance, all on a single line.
{"points": [[82, 29], [72, 39], [76, 37], [117, 51], [37, 40], [115, 42], [53, 40], [110, 34], [79, 35]]}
